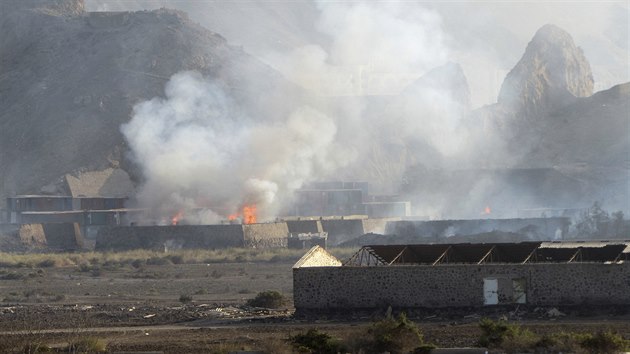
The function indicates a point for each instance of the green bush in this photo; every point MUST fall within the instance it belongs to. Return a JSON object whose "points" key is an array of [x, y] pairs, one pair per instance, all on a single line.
{"points": [[315, 341], [270, 299], [509, 337], [425, 348], [561, 342], [605, 342], [395, 335]]}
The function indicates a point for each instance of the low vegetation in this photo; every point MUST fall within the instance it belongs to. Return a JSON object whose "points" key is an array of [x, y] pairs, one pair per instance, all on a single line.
{"points": [[315, 341], [88, 261], [512, 338], [389, 335], [270, 299]]}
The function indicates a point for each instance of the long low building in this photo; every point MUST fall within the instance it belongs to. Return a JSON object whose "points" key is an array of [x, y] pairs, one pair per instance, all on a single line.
{"points": [[464, 275]]}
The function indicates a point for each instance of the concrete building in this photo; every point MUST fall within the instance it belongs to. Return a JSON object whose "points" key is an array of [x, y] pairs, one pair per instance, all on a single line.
{"points": [[463, 275], [346, 198], [25, 209]]}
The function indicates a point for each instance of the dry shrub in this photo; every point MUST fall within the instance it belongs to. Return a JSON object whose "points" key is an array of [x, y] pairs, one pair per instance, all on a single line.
{"points": [[270, 299]]}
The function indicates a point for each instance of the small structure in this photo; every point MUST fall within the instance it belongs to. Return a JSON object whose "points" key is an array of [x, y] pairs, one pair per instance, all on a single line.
{"points": [[463, 275], [307, 240]]}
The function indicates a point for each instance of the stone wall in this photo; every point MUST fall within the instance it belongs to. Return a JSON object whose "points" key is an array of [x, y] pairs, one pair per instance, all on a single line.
{"points": [[459, 285]]}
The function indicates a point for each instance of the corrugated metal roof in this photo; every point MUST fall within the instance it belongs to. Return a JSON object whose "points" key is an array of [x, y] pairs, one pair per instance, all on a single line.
{"points": [[483, 253]]}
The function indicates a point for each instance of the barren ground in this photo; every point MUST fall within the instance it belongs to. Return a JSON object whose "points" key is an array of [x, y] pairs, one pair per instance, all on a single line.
{"points": [[139, 309]]}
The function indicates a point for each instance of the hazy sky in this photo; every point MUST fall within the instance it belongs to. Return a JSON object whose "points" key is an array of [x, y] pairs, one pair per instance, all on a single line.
{"points": [[486, 37]]}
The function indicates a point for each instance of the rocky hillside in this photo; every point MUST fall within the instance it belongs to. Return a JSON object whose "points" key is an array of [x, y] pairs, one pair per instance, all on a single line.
{"points": [[68, 79]]}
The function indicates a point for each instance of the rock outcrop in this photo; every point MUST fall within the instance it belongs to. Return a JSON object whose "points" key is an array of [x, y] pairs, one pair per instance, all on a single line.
{"points": [[551, 73]]}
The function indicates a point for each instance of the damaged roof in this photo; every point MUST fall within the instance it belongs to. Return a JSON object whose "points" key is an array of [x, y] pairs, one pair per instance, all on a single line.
{"points": [[484, 253]]}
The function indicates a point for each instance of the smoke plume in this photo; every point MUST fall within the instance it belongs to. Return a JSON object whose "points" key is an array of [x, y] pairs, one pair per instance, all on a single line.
{"points": [[200, 155]]}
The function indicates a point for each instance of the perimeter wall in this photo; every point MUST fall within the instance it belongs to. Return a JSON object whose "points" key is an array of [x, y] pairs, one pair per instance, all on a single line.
{"points": [[408, 286]]}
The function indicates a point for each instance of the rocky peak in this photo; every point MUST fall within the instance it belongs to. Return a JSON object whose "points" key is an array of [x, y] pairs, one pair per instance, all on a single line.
{"points": [[551, 73]]}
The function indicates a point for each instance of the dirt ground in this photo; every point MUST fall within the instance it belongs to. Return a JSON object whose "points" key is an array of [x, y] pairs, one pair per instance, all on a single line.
{"points": [[147, 309]]}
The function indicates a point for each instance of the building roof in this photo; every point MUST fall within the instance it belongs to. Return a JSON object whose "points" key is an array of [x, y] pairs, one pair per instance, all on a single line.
{"points": [[483, 253], [317, 256], [112, 182]]}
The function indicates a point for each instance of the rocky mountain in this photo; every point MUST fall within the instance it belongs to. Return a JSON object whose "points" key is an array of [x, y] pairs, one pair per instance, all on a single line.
{"points": [[69, 79], [552, 73], [547, 142]]}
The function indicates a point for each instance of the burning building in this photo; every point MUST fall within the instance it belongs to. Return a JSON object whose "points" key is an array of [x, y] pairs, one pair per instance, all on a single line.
{"points": [[345, 199]]}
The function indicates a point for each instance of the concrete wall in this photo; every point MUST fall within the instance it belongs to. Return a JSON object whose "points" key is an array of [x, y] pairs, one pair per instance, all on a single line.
{"points": [[32, 235], [53, 237], [169, 237], [304, 226], [459, 285], [64, 237], [342, 230], [540, 229], [377, 226], [266, 235]]}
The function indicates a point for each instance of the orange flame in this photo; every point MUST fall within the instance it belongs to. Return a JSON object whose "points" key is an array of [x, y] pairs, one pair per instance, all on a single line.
{"points": [[176, 218], [249, 215], [486, 211]]}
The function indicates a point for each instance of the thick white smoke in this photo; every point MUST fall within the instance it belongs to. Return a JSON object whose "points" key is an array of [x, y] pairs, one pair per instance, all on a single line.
{"points": [[373, 52], [373, 48], [201, 156]]}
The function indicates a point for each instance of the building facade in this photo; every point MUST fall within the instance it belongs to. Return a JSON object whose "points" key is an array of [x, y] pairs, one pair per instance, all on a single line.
{"points": [[466, 275]]}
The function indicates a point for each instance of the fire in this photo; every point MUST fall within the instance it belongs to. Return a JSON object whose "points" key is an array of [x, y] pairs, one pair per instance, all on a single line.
{"points": [[486, 211], [248, 215], [176, 218]]}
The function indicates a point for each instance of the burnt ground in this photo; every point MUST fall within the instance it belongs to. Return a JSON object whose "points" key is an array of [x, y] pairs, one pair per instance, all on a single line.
{"points": [[145, 309]]}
